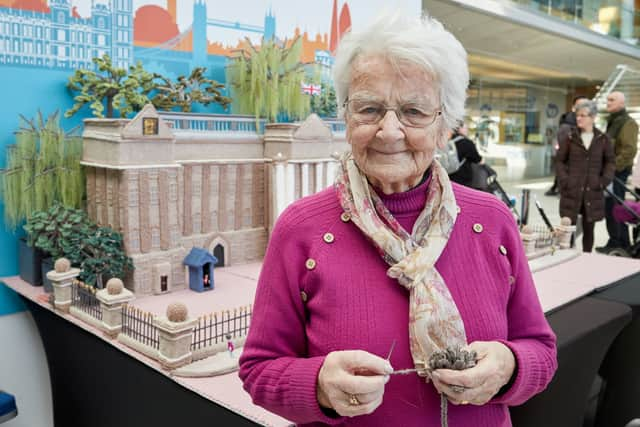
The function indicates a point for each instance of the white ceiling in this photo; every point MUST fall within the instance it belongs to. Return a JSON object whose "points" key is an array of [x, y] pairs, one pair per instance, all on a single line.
{"points": [[554, 52]]}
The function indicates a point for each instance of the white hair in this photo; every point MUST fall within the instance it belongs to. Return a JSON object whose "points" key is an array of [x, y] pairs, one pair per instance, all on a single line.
{"points": [[421, 41]]}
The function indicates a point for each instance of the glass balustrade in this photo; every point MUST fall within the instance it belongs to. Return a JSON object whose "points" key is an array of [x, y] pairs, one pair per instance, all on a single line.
{"points": [[615, 18]]}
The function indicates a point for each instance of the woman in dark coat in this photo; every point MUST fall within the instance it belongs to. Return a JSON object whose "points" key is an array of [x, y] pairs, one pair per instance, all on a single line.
{"points": [[585, 164]]}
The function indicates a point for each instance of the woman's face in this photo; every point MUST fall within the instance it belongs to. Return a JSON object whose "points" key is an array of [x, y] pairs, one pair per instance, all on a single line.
{"points": [[392, 155], [584, 120]]}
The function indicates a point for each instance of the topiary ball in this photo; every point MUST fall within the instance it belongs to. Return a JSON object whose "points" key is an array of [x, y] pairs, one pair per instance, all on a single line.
{"points": [[115, 286], [62, 265], [177, 312], [565, 221]]}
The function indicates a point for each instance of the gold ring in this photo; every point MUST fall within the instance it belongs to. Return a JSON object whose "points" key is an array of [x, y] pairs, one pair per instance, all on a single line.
{"points": [[458, 388], [353, 400]]}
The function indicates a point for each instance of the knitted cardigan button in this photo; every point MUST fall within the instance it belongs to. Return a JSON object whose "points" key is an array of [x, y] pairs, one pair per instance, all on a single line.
{"points": [[310, 264], [328, 238], [345, 217], [503, 250], [477, 228], [304, 296]]}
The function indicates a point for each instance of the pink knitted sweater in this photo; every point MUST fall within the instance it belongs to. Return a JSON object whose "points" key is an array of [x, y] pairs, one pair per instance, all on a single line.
{"points": [[343, 300]]}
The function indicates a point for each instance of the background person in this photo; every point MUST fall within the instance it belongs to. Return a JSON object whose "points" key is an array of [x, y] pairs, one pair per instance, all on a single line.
{"points": [[467, 153], [566, 122], [622, 130], [584, 167], [635, 182], [395, 252]]}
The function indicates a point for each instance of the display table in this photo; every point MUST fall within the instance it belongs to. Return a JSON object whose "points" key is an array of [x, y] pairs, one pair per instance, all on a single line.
{"points": [[132, 390], [99, 385], [585, 330], [103, 363], [578, 276], [621, 368]]}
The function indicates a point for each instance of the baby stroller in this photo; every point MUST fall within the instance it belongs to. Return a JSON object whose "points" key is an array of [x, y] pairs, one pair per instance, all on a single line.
{"points": [[484, 178], [628, 212]]}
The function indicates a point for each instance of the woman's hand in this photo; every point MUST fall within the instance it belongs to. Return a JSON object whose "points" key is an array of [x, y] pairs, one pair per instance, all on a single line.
{"points": [[352, 382], [479, 384]]}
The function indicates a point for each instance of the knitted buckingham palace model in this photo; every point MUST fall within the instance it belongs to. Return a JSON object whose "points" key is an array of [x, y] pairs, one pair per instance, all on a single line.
{"points": [[188, 192], [171, 185]]}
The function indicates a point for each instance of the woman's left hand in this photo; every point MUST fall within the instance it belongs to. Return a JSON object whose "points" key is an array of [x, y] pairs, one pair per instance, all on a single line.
{"points": [[479, 384]]}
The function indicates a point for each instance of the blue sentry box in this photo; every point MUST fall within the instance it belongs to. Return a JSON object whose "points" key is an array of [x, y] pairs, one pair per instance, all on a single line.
{"points": [[8, 408]]}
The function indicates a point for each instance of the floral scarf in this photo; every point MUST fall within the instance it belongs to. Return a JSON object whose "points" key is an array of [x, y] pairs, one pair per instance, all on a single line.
{"points": [[434, 321]]}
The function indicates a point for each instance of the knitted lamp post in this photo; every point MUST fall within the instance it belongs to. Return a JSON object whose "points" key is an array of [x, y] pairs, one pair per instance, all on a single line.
{"points": [[564, 231], [112, 298], [61, 278], [529, 238], [175, 332]]}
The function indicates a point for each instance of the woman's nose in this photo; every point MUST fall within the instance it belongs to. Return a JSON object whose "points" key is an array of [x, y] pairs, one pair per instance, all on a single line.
{"points": [[390, 127]]}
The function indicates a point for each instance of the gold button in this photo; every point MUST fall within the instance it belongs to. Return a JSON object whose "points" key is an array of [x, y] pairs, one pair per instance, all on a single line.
{"points": [[477, 228], [328, 237], [503, 250], [304, 296], [310, 264], [512, 280], [345, 217]]}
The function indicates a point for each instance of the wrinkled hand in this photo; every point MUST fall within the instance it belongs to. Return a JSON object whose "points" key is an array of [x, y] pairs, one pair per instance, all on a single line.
{"points": [[352, 373], [496, 364]]}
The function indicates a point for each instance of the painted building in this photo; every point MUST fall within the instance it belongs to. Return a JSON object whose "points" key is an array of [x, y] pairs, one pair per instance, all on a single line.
{"points": [[55, 36]]}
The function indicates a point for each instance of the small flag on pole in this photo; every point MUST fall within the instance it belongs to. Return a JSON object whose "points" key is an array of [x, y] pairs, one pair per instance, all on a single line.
{"points": [[310, 89]]}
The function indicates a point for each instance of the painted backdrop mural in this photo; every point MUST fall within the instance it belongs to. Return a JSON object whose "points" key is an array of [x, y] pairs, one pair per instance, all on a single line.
{"points": [[42, 42], [171, 36]]}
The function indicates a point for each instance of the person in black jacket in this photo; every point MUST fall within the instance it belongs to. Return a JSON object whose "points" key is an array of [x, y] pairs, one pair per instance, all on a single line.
{"points": [[467, 153]]}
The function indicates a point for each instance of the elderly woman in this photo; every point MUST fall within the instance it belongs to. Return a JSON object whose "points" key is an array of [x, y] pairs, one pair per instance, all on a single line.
{"points": [[395, 263], [585, 165]]}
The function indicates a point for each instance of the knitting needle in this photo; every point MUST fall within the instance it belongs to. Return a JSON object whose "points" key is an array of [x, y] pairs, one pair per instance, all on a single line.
{"points": [[393, 344]]}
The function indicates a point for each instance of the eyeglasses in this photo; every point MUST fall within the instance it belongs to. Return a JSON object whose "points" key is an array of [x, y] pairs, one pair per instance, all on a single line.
{"points": [[369, 112]]}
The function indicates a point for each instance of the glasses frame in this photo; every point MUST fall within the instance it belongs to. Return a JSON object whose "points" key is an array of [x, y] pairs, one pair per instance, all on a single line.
{"points": [[397, 110]]}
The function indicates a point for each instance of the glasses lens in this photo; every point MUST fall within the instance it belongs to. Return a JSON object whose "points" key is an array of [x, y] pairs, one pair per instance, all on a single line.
{"points": [[366, 111], [416, 115]]}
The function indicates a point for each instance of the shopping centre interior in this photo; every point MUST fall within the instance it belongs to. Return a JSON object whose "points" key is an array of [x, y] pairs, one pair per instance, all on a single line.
{"points": [[528, 59]]}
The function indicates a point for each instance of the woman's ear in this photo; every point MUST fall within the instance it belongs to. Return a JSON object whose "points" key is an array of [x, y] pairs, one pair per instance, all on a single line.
{"points": [[442, 136], [347, 132]]}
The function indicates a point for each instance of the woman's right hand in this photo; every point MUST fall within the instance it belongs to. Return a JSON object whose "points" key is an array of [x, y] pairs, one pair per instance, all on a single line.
{"points": [[352, 382]]}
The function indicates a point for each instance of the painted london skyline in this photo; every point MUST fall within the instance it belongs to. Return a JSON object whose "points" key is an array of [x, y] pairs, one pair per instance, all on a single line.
{"points": [[67, 34], [311, 16]]}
